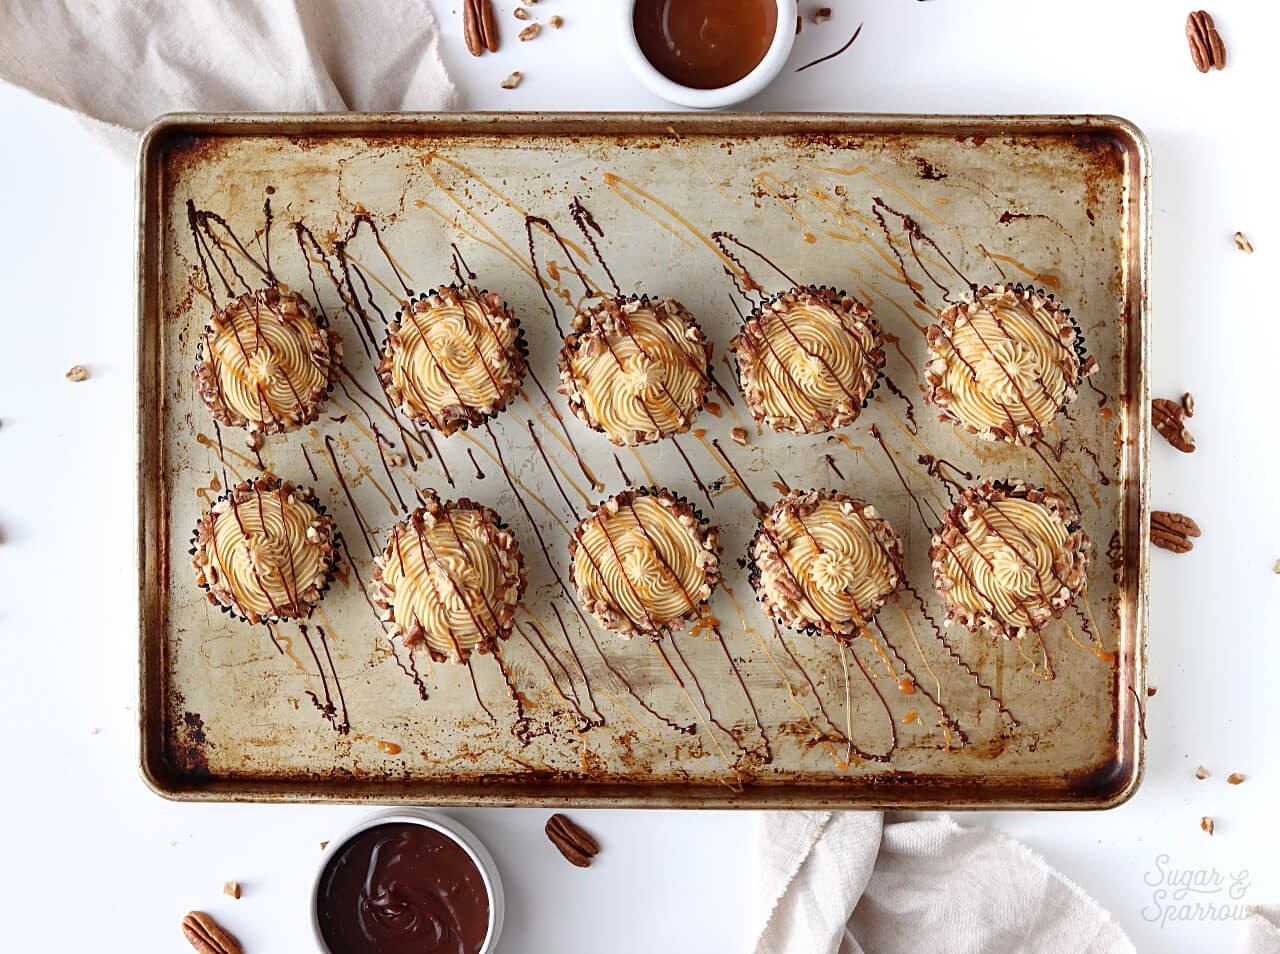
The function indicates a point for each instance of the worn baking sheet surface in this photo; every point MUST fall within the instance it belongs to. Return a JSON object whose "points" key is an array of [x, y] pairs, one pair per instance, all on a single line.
{"points": [[229, 713]]}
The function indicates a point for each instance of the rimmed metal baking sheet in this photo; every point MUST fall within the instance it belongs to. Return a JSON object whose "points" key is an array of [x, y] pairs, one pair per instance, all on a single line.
{"points": [[1058, 202]]}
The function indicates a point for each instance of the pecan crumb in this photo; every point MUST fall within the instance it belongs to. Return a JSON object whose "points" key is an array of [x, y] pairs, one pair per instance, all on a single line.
{"points": [[739, 436], [1276, 568], [577, 846], [1243, 243], [556, 22], [1235, 778], [1151, 691], [1188, 405], [799, 24], [512, 81], [395, 460], [78, 373], [232, 889], [1202, 773], [324, 845], [520, 13], [253, 441], [1207, 50], [1166, 417], [1206, 825], [1172, 531], [822, 15], [529, 32]]}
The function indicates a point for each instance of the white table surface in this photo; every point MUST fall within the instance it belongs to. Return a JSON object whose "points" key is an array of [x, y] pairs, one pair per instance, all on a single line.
{"points": [[93, 861]]}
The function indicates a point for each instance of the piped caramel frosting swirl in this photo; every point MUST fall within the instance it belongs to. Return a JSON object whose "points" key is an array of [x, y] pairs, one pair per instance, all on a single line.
{"points": [[635, 369], [808, 359], [644, 562], [264, 362], [450, 577], [1004, 363], [453, 357], [265, 550], [824, 562], [1009, 557]]}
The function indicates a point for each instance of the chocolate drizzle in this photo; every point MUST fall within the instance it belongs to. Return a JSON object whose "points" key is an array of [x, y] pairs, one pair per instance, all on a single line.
{"points": [[912, 426], [328, 709]]}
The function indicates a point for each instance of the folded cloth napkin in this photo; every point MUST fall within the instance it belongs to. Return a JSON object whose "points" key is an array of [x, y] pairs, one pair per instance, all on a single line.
{"points": [[1261, 930], [124, 62], [850, 883]]}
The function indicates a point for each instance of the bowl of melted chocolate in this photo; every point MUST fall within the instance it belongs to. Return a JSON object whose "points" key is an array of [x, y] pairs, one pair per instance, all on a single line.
{"points": [[706, 53], [407, 881]]}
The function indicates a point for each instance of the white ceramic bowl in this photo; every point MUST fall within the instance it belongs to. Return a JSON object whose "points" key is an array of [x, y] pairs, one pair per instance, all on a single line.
{"points": [[447, 827], [775, 58]]}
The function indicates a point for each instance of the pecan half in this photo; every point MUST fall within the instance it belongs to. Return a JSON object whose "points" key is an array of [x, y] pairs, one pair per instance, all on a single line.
{"points": [[529, 32], [1206, 45], [1172, 531], [1243, 243], [1166, 417], [479, 26], [208, 936], [576, 845], [1235, 778]]}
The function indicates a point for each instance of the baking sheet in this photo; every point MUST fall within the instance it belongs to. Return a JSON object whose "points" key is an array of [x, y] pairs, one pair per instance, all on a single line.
{"points": [[233, 711]]}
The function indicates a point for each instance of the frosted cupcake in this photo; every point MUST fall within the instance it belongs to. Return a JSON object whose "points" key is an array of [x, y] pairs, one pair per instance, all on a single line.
{"points": [[824, 562], [266, 363], [1008, 557], [450, 578], [635, 369], [644, 561], [808, 359], [1006, 360], [453, 358], [265, 550]]}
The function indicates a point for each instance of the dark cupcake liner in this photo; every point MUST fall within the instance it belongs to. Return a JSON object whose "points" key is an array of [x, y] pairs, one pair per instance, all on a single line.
{"points": [[579, 409], [754, 573], [223, 415], [520, 346], [714, 579], [309, 496], [488, 643], [823, 291]]}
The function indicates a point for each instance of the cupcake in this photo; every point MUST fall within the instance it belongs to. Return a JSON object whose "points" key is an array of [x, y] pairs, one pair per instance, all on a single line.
{"points": [[808, 359], [265, 362], [1005, 361], [824, 562], [450, 578], [265, 550], [453, 358], [1008, 557], [644, 561], [635, 369]]}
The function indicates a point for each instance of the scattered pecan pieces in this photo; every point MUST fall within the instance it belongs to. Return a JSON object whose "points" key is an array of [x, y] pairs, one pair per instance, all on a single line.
{"points": [[576, 845], [520, 13], [1171, 531], [799, 24], [78, 373], [529, 32], [1151, 691], [512, 81], [207, 936], [479, 26], [739, 436], [822, 15], [1188, 405], [232, 889], [1166, 417], [1206, 825], [1243, 243], [556, 22], [1235, 778], [1202, 773], [1206, 45]]}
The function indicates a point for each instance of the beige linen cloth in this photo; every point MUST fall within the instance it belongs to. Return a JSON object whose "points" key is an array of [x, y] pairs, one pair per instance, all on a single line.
{"points": [[866, 883], [124, 62]]}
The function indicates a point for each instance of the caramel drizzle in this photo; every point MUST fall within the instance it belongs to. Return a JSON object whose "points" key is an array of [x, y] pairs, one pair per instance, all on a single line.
{"points": [[569, 597]]}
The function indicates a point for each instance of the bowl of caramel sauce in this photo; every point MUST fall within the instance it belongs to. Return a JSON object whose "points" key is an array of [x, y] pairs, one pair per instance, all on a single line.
{"points": [[407, 881], [706, 53]]}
